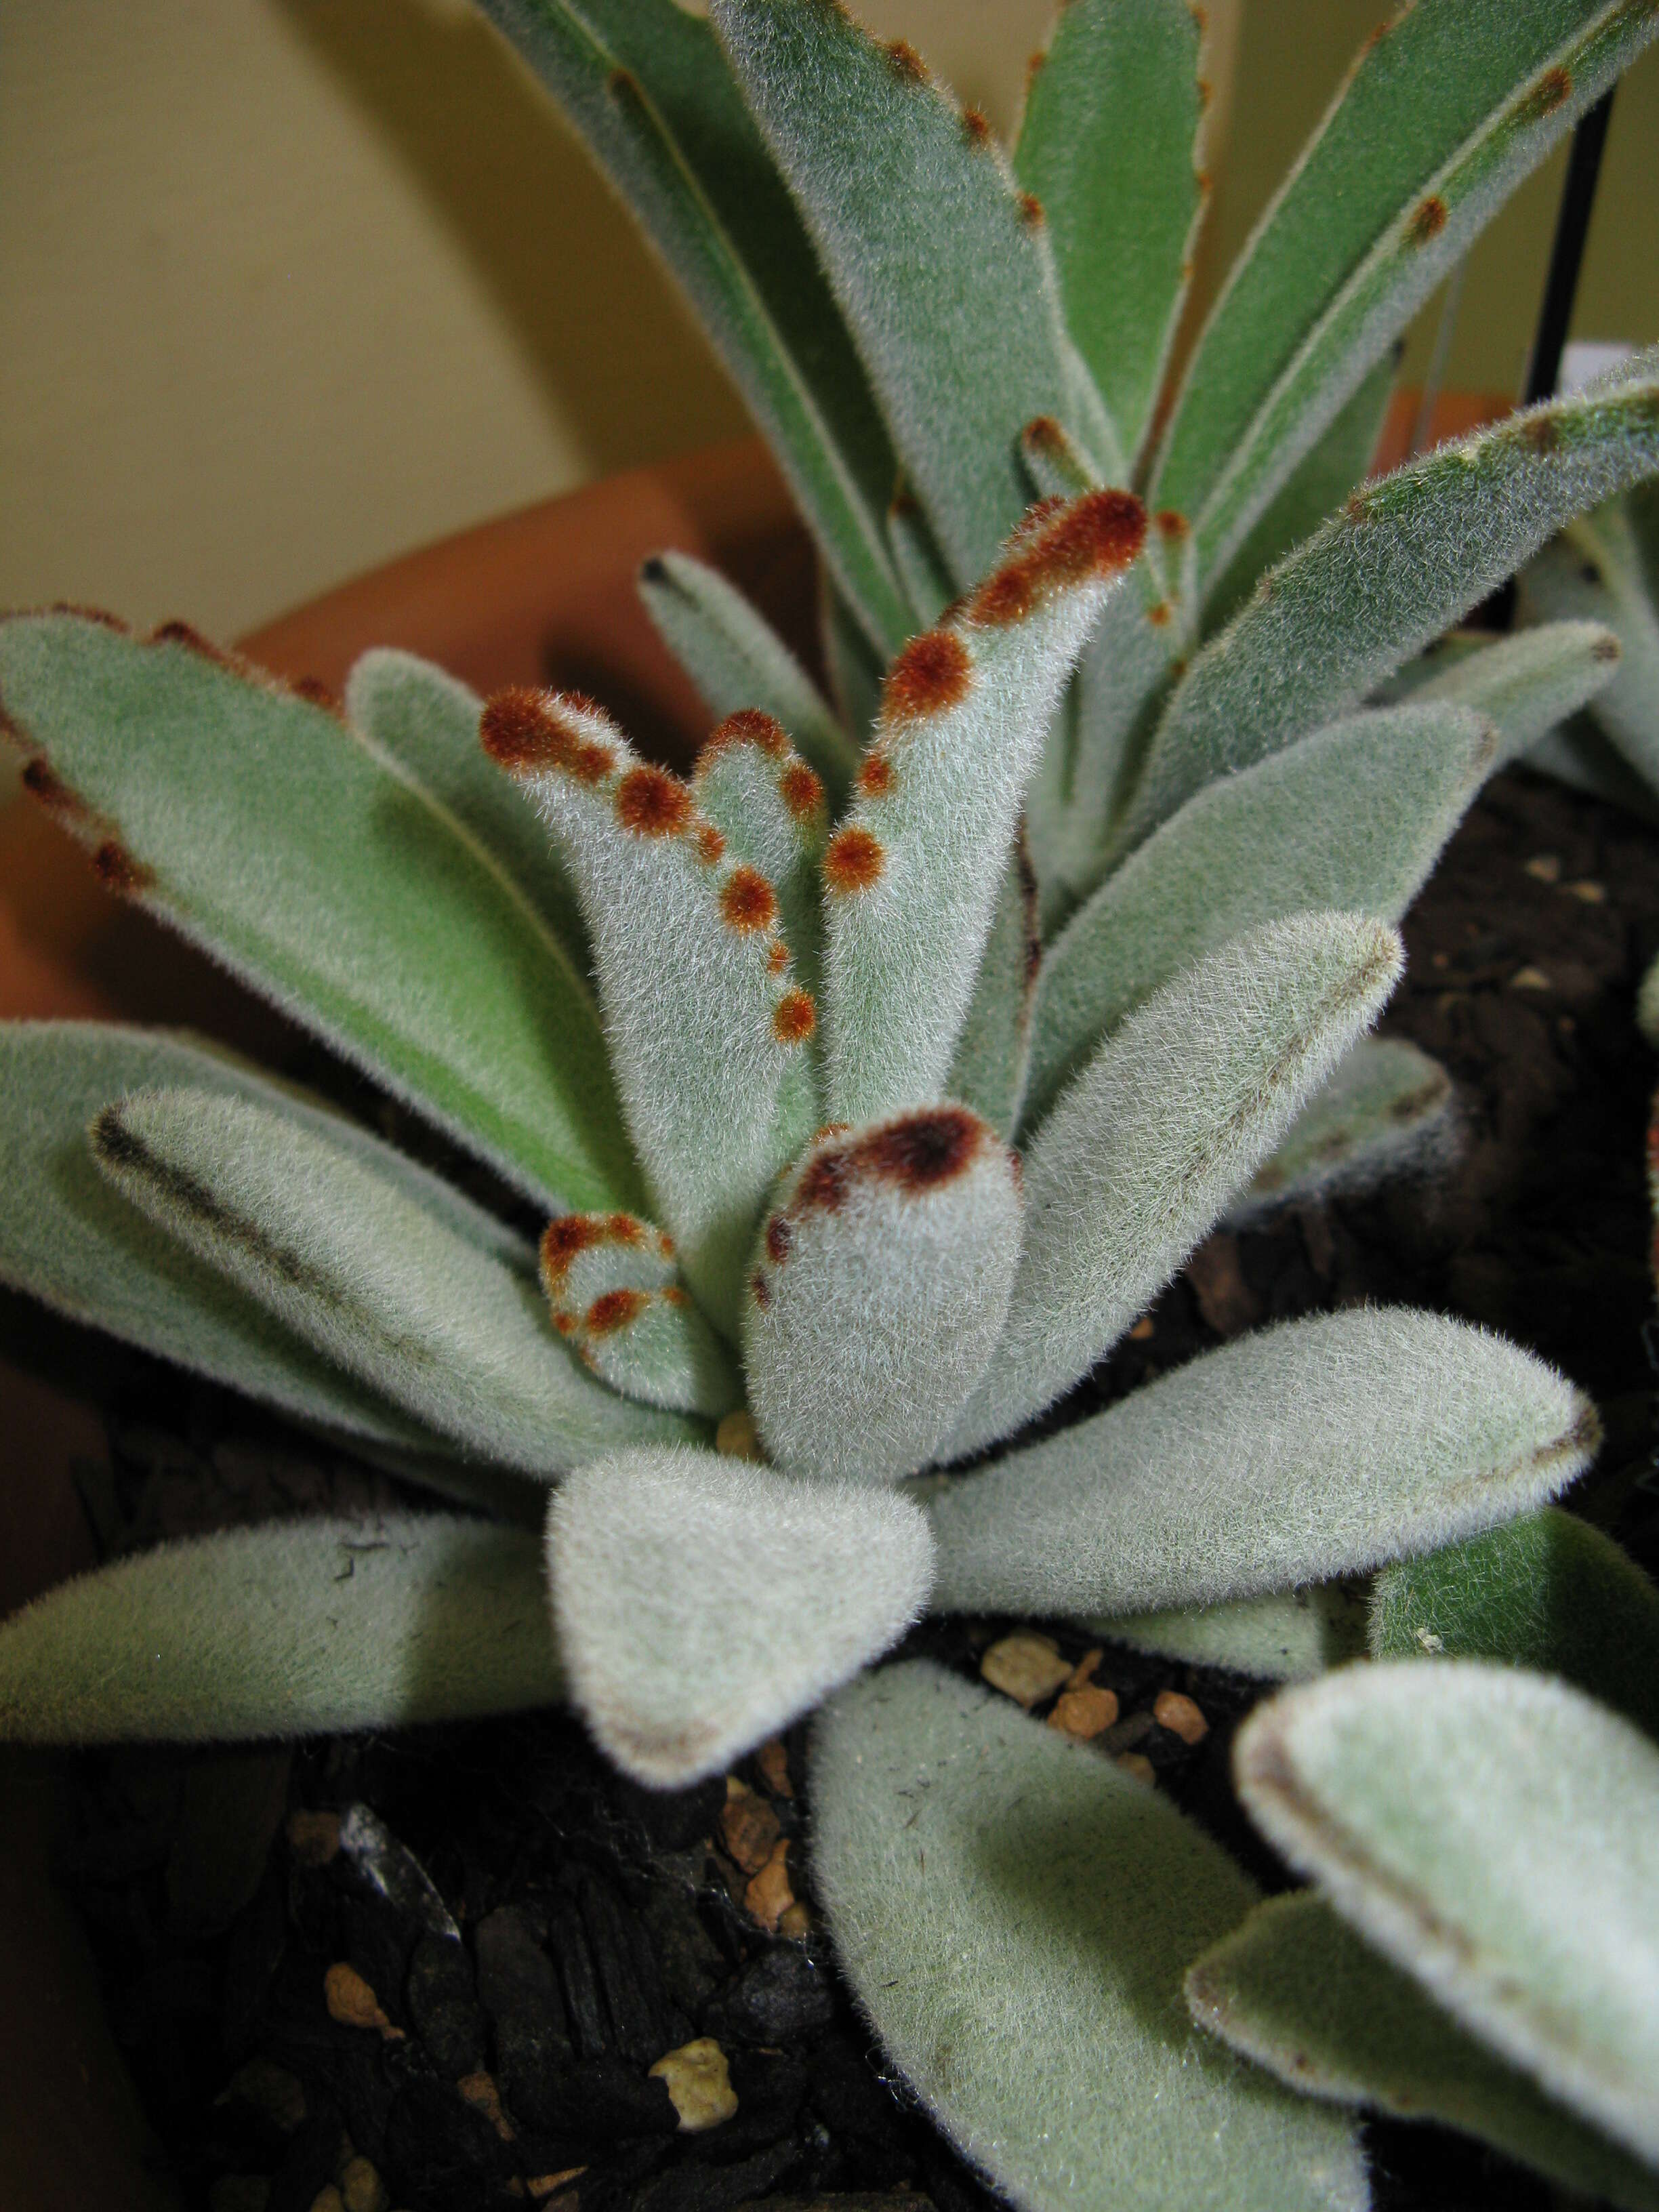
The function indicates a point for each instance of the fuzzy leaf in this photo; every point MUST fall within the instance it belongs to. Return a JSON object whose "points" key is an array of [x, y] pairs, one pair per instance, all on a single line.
{"points": [[1109, 143], [1406, 557], [1546, 1591], [994, 1049], [1595, 570], [428, 720], [738, 660], [645, 84], [927, 582], [702, 1603], [1150, 1142], [1441, 118], [1496, 1835], [769, 807], [1528, 684], [880, 1285], [913, 873], [619, 1304], [296, 1628], [1014, 1914], [944, 274], [1056, 463], [853, 669], [342, 1249], [252, 820], [1299, 1993], [1388, 1109], [1283, 1636], [707, 1028], [1316, 1448], [1351, 819]]}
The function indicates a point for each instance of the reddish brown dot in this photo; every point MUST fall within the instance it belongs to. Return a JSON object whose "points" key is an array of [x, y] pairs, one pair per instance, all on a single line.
{"points": [[1202, 179], [651, 803], [778, 1237], [757, 1286], [1542, 432], [1200, 15], [1158, 615], [521, 734], [1032, 211], [853, 860], [1553, 90], [622, 1229], [316, 693], [588, 761], [1033, 63], [921, 1150], [665, 1244], [1097, 535], [561, 1240], [43, 782], [748, 727], [906, 62], [794, 1017], [831, 1129], [976, 127], [710, 844], [931, 673], [1428, 220], [1044, 435], [564, 1324], [119, 870], [747, 902], [186, 634], [823, 1184], [672, 1295], [1606, 648], [1172, 524], [876, 775], [1355, 507], [800, 791], [614, 1309], [1205, 94], [778, 958]]}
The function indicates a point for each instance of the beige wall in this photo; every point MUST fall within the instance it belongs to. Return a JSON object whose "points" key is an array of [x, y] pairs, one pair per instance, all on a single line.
{"points": [[287, 286]]}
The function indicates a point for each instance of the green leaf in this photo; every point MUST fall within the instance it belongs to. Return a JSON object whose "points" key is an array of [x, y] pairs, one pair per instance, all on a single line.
{"points": [[1146, 1147], [1109, 143], [619, 1304], [993, 1048], [702, 1603], [1442, 116], [1528, 684], [428, 722], [1317, 1448], [297, 1628], [1014, 1914], [1298, 1992], [1496, 1835], [737, 660], [1055, 462], [647, 88], [1282, 1636], [769, 807], [945, 277], [880, 1285], [707, 1028], [1407, 557], [1389, 1109], [1351, 819], [912, 874], [853, 669], [1546, 1591], [1595, 570], [340, 1247], [927, 582], [253, 821]]}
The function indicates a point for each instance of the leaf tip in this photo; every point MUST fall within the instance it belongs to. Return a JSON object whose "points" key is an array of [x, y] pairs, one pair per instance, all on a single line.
{"points": [[1088, 539]]}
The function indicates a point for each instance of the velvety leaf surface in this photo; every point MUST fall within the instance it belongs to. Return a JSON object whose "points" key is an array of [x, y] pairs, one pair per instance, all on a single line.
{"points": [[927, 582], [993, 1052], [1014, 1914], [1528, 684], [1283, 1636], [618, 1302], [1388, 1109], [1595, 570], [769, 807]]}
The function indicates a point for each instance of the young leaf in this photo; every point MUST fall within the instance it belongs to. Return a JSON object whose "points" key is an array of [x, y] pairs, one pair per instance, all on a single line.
{"points": [[252, 820], [1495, 1834], [1594, 569], [1014, 1914], [1283, 1636], [1528, 684], [1407, 557], [618, 1302], [1299, 1993], [1442, 116], [1109, 143], [646, 86], [1546, 1591], [1150, 1142], [738, 660], [296, 1628], [1351, 819], [880, 1285], [994, 1049], [701, 1602], [346, 1255], [1317, 1448], [927, 582], [1388, 1109], [854, 670], [707, 1028], [769, 806], [942, 267], [913, 873], [1056, 463], [427, 721]]}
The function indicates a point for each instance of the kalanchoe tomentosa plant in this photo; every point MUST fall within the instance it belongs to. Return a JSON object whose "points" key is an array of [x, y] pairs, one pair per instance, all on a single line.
{"points": [[857, 1107]]}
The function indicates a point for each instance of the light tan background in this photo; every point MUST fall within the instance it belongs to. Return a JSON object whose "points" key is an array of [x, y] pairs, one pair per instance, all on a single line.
{"points": [[288, 286]]}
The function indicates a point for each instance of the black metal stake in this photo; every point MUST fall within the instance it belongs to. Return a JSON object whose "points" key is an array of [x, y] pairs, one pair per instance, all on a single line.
{"points": [[1567, 255]]}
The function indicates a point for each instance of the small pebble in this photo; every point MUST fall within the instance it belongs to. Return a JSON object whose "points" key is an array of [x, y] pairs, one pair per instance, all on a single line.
{"points": [[1025, 1667], [479, 2089], [271, 2090], [362, 2188], [748, 1827], [543, 2185], [314, 1837], [353, 2003], [699, 2084], [738, 1436], [772, 1761], [768, 1895], [1084, 1672], [1592, 894], [795, 1922], [1137, 1764], [1180, 1715], [1529, 979], [1142, 1330], [1083, 1713], [1546, 867]]}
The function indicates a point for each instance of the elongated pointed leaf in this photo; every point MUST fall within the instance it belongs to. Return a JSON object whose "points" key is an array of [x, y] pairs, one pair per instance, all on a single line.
{"points": [[880, 1285], [1441, 118], [346, 1257], [1321, 1448], [1388, 1109], [1109, 143], [737, 660], [1546, 1591], [296, 1628], [769, 807], [702, 1602], [1406, 557], [993, 1050], [1352, 819], [927, 582], [619, 1304], [1528, 684], [252, 820], [1298, 1992], [912, 874], [1146, 1147], [1595, 570], [1055, 462], [1495, 1834], [647, 88], [943, 272], [854, 668], [1283, 1636], [1014, 1914], [427, 721], [707, 1027]]}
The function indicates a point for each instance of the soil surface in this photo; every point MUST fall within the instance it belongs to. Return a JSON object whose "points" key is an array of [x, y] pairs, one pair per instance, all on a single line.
{"points": [[431, 1969]]}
